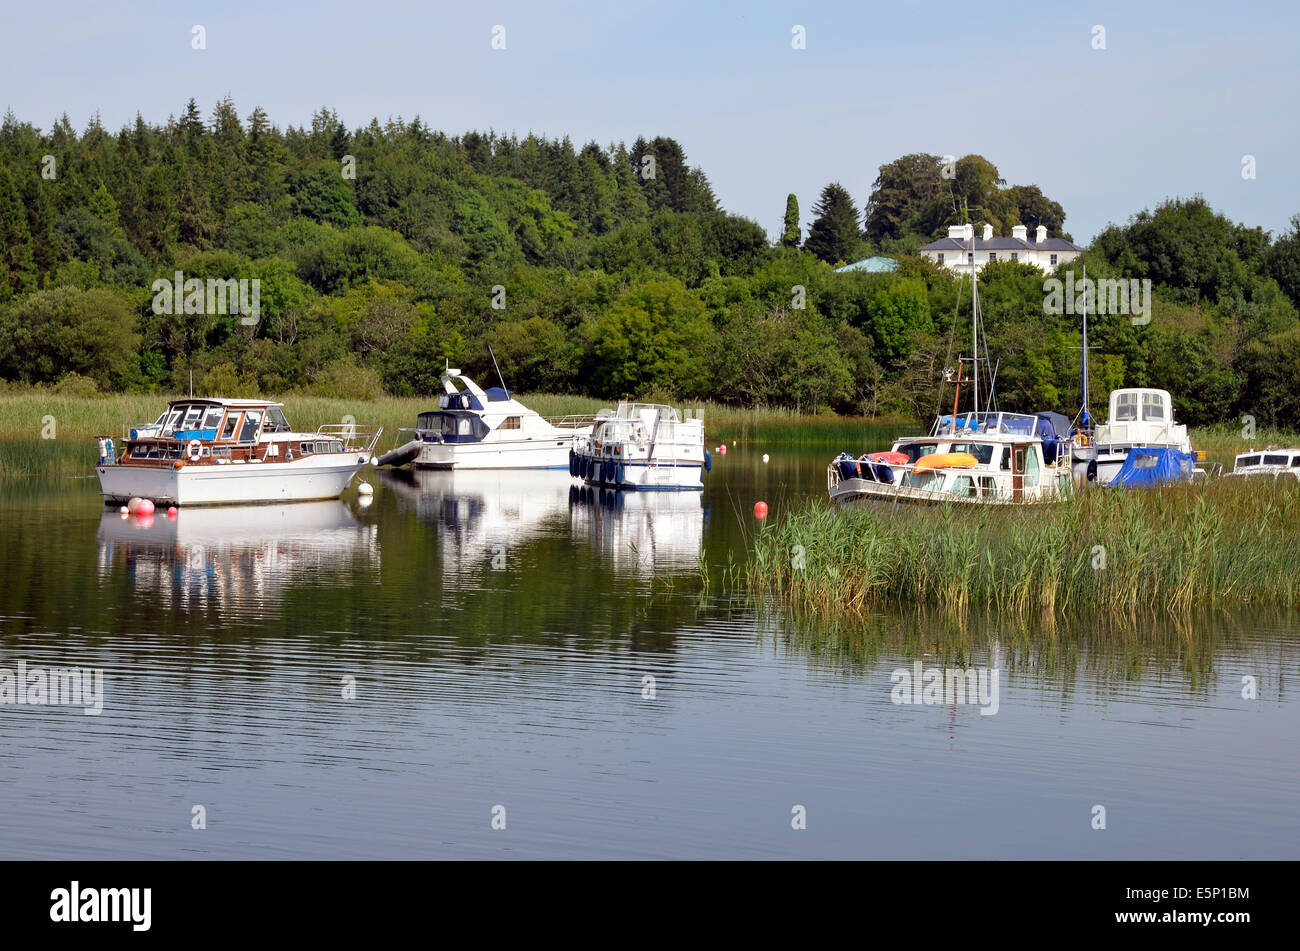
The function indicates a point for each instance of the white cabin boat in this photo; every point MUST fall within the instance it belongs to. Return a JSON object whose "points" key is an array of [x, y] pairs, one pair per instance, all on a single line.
{"points": [[642, 446], [976, 459], [1280, 465], [474, 428], [1138, 419], [204, 451]]}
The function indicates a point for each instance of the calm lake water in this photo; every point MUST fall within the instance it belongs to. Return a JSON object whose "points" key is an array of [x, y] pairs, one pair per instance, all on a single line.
{"points": [[498, 632]]}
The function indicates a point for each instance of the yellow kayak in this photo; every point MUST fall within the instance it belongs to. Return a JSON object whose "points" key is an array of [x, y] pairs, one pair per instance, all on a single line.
{"points": [[947, 460]]}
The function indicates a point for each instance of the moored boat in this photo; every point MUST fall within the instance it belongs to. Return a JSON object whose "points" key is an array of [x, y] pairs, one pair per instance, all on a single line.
{"points": [[1272, 464], [642, 446], [474, 428], [208, 451], [1139, 418]]}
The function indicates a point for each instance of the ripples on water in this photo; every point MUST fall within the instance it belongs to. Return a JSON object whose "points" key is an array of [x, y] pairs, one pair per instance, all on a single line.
{"points": [[498, 629]]}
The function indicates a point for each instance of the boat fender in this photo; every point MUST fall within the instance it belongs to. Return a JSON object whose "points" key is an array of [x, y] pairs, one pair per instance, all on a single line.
{"points": [[178, 464], [1092, 470], [570, 462], [883, 473]]}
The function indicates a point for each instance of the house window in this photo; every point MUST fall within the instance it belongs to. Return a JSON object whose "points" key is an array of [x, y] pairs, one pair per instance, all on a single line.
{"points": [[1053, 260], [1015, 255], [970, 258], [993, 255], [940, 257]]}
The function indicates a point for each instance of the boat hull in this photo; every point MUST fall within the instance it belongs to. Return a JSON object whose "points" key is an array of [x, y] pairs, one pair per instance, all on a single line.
{"points": [[299, 481], [868, 492], [643, 476], [513, 454]]}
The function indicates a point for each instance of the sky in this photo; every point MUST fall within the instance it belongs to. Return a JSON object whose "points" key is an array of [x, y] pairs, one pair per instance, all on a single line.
{"points": [[1179, 96]]}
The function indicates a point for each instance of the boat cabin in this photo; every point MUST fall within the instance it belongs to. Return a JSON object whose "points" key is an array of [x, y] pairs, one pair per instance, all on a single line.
{"points": [[1141, 417], [1269, 464]]}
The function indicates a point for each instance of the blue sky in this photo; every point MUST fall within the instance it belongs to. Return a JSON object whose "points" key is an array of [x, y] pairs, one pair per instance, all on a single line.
{"points": [[1181, 93]]}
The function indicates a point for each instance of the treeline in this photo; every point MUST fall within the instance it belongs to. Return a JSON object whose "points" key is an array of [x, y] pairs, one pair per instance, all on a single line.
{"points": [[607, 270]]}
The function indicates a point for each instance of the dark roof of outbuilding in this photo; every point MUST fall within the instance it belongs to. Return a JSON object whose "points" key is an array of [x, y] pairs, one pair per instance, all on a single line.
{"points": [[1002, 244]]}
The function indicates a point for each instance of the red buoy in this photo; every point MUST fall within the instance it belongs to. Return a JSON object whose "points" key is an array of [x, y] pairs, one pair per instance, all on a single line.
{"points": [[760, 510]]}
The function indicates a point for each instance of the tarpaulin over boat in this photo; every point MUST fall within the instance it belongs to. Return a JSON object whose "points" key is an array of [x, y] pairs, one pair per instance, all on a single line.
{"points": [[1152, 466]]}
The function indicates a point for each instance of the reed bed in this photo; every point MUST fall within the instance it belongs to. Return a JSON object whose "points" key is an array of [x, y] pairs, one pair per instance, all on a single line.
{"points": [[1173, 548]]}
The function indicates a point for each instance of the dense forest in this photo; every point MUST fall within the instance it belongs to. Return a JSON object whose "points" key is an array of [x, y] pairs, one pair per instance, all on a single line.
{"points": [[384, 251]]}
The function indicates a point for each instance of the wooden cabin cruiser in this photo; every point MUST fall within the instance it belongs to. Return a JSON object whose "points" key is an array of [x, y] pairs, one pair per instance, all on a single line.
{"points": [[1138, 419], [1273, 464], [474, 428], [217, 451], [642, 446], [977, 459]]}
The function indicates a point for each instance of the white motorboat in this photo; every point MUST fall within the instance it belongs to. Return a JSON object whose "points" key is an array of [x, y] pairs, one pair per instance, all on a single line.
{"points": [[205, 451], [474, 428], [1139, 418], [1272, 464], [642, 446]]}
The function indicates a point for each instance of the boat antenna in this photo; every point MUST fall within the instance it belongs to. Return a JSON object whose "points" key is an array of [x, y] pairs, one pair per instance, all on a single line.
{"points": [[498, 369]]}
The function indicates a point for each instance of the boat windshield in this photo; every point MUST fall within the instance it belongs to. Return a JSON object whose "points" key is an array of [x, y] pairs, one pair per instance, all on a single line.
{"points": [[1243, 461], [276, 421]]}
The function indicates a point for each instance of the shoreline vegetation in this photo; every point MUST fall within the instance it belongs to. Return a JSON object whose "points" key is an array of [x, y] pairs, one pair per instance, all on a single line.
{"points": [[1174, 548]]}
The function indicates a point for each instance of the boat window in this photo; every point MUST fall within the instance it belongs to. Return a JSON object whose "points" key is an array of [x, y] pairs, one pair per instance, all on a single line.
{"points": [[252, 419], [192, 416], [221, 452], [276, 421], [988, 486], [336, 446], [983, 452], [510, 422], [1247, 461], [1295, 460], [213, 419], [1126, 406], [915, 451], [1145, 462], [307, 447], [232, 421], [964, 486], [1153, 406], [1275, 460], [928, 479], [1031, 468]]}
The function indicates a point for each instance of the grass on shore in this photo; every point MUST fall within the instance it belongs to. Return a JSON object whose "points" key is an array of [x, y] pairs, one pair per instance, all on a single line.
{"points": [[1173, 548]]}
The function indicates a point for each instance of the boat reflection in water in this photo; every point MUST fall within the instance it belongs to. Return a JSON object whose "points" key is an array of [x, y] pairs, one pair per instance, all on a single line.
{"points": [[651, 533], [234, 554], [487, 518]]}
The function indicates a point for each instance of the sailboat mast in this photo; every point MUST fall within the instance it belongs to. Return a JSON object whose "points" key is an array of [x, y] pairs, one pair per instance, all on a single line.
{"points": [[1085, 343], [974, 323]]}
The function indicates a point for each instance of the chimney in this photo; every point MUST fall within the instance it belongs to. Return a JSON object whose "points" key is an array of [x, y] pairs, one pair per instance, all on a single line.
{"points": [[1040, 235], [988, 232], [1020, 233], [956, 232]]}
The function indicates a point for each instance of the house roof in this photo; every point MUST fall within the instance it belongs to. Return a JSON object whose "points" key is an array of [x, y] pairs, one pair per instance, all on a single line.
{"points": [[872, 265], [1002, 244]]}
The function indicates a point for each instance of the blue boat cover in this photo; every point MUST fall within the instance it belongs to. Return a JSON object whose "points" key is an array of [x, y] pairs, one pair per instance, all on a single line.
{"points": [[1152, 466]]}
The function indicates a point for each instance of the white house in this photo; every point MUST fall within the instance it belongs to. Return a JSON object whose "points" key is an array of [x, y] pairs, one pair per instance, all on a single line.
{"points": [[961, 248]]}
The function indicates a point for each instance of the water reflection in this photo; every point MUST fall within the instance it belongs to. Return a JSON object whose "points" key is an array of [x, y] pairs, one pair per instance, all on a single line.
{"points": [[486, 518], [224, 555], [649, 533]]}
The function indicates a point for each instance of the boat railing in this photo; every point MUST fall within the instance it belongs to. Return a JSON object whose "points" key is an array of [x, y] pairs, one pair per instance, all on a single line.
{"points": [[572, 421], [356, 438]]}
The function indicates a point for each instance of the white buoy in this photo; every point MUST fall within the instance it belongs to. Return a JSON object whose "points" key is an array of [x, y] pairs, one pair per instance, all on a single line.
{"points": [[765, 457]]}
